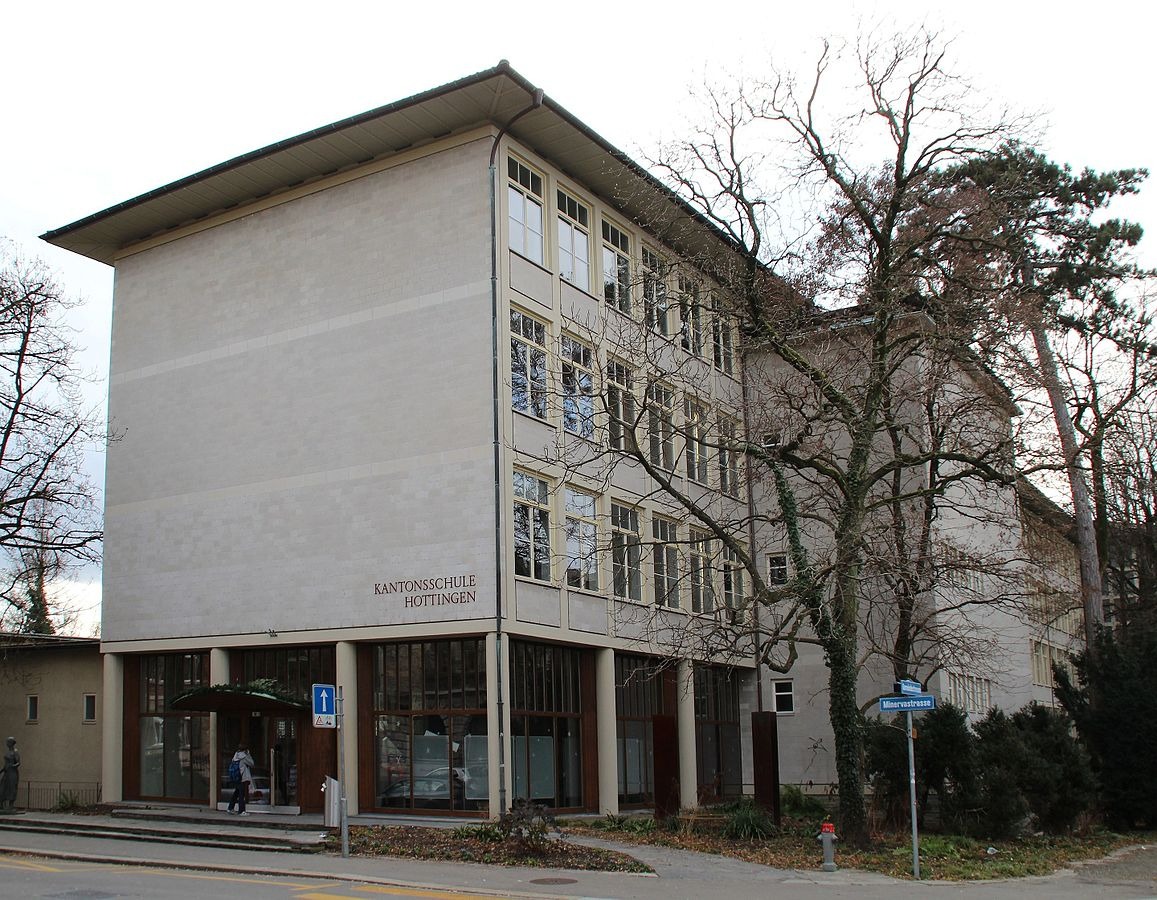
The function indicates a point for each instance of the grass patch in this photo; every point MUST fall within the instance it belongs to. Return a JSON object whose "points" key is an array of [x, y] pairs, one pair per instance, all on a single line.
{"points": [[942, 857]]}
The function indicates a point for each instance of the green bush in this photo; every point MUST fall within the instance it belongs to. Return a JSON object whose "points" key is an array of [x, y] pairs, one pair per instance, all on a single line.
{"points": [[1114, 706], [1001, 758], [795, 803], [527, 827], [748, 822], [1057, 782]]}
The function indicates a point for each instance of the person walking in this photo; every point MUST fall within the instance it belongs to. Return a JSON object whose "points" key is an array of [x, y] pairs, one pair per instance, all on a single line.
{"points": [[241, 774]]}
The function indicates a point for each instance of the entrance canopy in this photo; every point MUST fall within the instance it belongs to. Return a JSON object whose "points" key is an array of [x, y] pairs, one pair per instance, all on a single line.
{"points": [[235, 698]]}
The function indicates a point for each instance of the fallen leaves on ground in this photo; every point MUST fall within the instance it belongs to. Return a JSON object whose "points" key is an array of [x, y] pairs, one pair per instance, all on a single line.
{"points": [[460, 845]]}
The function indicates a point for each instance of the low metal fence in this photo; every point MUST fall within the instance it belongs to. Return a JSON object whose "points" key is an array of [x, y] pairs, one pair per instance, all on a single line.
{"points": [[58, 794]]}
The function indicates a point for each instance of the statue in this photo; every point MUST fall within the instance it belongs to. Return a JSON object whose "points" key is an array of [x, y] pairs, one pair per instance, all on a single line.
{"points": [[10, 778]]}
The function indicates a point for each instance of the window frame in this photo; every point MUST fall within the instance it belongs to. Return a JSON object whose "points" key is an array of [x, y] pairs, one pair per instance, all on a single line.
{"points": [[31, 708], [722, 338], [538, 523], [530, 400], [616, 267], [696, 425], [572, 225], [656, 295], [732, 570], [699, 573], [665, 562], [626, 552], [621, 404], [85, 717], [582, 539], [519, 194], [778, 573], [661, 425], [727, 456], [777, 694], [690, 315], [578, 387]]}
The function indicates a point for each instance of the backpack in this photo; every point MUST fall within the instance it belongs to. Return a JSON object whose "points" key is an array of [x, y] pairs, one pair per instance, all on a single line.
{"points": [[235, 772]]}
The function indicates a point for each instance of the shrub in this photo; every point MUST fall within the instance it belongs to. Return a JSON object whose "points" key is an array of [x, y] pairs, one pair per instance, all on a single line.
{"points": [[748, 822], [1114, 706], [1001, 758], [527, 827], [1057, 783], [795, 803]]}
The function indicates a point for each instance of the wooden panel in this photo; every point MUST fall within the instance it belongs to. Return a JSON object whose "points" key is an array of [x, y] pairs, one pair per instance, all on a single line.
{"points": [[367, 789], [131, 748], [666, 750], [317, 756], [765, 761], [590, 731]]}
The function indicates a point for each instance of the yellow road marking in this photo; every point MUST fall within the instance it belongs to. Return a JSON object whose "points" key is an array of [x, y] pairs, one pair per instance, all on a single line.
{"points": [[292, 885], [24, 864], [420, 892], [317, 896]]}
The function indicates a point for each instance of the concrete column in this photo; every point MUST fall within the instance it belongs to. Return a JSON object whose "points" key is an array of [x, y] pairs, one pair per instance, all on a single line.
{"points": [[218, 674], [606, 716], [688, 768], [498, 738], [112, 729], [347, 679]]}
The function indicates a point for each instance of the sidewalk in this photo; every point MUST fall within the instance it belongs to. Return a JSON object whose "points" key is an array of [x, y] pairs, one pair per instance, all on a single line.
{"points": [[679, 874]]}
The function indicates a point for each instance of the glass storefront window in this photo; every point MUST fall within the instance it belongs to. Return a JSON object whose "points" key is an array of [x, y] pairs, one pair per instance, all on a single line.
{"points": [[638, 698], [430, 726], [717, 732], [174, 757]]}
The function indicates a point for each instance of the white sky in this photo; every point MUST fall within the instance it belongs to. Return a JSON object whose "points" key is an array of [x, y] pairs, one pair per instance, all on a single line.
{"points": [[103, 101]]}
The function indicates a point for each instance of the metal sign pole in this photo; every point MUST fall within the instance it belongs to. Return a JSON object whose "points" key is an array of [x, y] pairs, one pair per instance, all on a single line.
{"points": [[912, 797], [345, 825]]}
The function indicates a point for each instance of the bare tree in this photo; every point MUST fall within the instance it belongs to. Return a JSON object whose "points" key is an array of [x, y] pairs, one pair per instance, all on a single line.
{"points": [[48, 513]]}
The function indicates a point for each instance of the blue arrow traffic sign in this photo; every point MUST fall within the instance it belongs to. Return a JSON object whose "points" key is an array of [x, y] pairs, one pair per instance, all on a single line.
{"points": [[907, 704], [324, 706]]}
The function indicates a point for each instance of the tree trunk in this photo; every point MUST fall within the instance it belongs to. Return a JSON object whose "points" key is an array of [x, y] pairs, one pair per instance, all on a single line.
{"points": [[847, 728], [1091, 592]]}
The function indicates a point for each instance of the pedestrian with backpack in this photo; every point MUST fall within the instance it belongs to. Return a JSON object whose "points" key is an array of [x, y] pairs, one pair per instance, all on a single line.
{"points": [[241, 777]]}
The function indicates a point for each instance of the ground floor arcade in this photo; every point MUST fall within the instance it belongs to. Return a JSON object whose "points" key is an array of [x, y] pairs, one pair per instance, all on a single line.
{"points": [[462, 725]]}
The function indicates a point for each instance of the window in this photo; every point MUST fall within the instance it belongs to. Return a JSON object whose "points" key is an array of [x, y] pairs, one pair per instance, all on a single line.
{"points": [[723, 353], [699, 565], [626, 563], [573, 241], [661, 425], [620, 404], [728, 464], [690, 316], [665, 554], [616, 268], [33, 708], [1044, 657], [719, 757], [428, 718], [732, 580], [173, 750], [582, 561], [777, 569], [89, 708], [527, 364], [546, 707], [655, 305], [970, 692], [531, 527], [578, 387], [524, 197], [639, 697], [696, 433], [784, 698]]}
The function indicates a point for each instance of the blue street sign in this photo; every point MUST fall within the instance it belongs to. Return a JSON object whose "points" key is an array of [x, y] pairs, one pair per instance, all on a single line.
{"points": [[324, 706], [907, 704], [909, 688]]}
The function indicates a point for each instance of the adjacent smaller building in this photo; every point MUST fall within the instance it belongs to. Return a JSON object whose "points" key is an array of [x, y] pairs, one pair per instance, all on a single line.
{"points": [[51, 705]]}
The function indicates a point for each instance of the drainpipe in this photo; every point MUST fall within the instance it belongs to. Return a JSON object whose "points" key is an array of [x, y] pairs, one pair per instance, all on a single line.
{"points": [[499, 545]]}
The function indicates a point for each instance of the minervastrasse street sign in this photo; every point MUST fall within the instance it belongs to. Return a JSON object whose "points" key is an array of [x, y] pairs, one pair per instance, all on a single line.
{"points": [[908, 704]]}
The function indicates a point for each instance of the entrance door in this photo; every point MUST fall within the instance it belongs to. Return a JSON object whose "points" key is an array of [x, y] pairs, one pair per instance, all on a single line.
{"points": [[272, 742]]}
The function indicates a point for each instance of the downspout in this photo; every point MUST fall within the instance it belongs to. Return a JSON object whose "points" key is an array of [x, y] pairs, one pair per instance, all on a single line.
{"points": [[499, 545]]}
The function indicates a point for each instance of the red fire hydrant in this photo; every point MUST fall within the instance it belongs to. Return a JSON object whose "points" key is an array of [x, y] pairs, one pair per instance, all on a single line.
{"points": [[827, 837]]}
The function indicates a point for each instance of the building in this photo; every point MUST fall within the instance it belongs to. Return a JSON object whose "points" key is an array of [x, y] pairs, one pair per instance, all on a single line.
{"points": [[369, 382], [337, 464], [52, 706]]}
